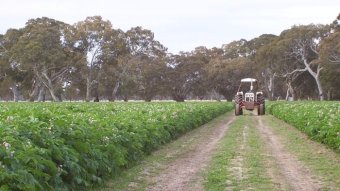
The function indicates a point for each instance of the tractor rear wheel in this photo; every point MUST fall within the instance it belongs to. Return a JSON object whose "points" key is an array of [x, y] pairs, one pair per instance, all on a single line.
{"points": [[264, 108], [238, 108], [238, 99], [238, 111], [260, 109], [261, 104], [260, 99]]}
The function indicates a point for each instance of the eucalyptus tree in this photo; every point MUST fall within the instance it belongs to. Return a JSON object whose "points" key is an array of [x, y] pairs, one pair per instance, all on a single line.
{"points": [[150, 77], [179, 76], [330, 56], [113, 50], [225, 74], [330, 46], [90, 37], [248, 49], [304, 46], [273, 66], [256, 43], [236, 49], [199, 59], [13, 78], [10, 77], [135, 61], [43, 50], [187, 73], [238, 56]]}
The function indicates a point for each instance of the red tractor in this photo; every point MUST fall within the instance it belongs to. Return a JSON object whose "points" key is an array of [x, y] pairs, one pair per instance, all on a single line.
{"points": [[247, 98]]}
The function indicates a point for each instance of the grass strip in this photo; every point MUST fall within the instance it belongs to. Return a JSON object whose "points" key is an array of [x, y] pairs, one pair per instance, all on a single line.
{"points": [[239, 163], [321, 160]]}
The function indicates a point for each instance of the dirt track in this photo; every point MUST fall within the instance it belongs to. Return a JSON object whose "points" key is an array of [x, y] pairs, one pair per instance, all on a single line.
{"points": [[184, 172], [184, 162], [292, 174]]}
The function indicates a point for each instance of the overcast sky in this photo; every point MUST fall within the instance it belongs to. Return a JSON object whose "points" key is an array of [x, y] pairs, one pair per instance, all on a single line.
{"points": [[180, 25]]}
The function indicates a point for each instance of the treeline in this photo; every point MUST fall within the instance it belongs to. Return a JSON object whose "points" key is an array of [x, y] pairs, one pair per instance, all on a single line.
{"points": [[90, 60]]}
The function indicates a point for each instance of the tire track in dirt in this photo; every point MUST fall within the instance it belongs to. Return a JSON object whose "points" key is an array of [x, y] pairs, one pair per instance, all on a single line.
{"points": [[292, 174], [184, 173]]}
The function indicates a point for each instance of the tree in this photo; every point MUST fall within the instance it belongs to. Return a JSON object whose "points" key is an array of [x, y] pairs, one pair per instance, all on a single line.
{"points": [[140, 47], [256, 43], [226, 74], [330, 56], [43, 50], [90, 37], [150, 77], [273, 64], [90, 60], [199, 60], [236, 49], [180, 76], [304, 43], [330, 46], [263, 67], [12, 76]]}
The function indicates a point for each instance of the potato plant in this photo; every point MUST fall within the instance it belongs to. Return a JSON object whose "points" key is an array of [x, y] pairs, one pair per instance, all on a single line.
{"points": [[319, 120], [74, 146]]}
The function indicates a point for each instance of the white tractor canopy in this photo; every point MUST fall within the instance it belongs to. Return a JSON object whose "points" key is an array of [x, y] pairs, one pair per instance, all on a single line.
{"points": [[248, 80]]}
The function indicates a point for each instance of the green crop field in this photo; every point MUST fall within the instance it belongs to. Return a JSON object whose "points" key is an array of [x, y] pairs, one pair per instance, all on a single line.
{"points": [[51, 146], [77, 146], [319, 120]]}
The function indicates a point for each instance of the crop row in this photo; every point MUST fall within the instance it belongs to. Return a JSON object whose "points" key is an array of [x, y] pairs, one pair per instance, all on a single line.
{"points": [[74, 146], [319, 120]]}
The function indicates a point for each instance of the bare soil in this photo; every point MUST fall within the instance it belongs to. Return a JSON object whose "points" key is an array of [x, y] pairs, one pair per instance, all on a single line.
{"points": [[291, 173], [184, 173]]}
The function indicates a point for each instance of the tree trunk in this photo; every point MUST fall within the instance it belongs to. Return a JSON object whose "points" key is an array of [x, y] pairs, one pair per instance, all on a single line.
{"points": [[53, 95], [16, 92], [126, 99], [269, 84], [315, 76], [88, 89], [96, 99], [287, 94], [96, 94], [290, 91], [178, 98], [34, 92], [329, 95], [318, 83], [41, 96], [50, 88], [147, 97], [47, 81], [119, 80], [114, 91]]}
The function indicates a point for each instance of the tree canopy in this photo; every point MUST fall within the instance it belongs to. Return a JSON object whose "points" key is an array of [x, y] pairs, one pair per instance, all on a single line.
{"points": [[91, 60]]}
